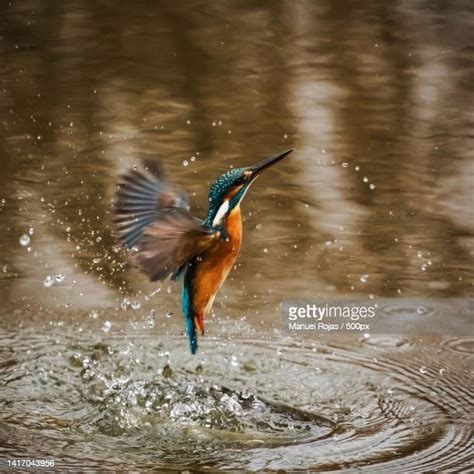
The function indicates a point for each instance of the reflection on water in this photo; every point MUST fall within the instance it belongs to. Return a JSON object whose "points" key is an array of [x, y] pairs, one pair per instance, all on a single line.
{"points": [[376, 200]]}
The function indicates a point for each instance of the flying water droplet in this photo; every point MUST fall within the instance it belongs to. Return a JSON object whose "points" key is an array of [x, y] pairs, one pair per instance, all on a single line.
{"points": [[150, 319], [364, 278], [25, 240], [125, 303], [136, 305], [48, 281], [106, 326]]}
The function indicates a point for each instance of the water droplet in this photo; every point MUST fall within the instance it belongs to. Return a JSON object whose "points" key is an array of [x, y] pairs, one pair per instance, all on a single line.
{"points": [[185, 163], [125, 303], [365, 179], [188, 122], [106, 326], [421, 310], [136, 305], [265, 250], [31, 230], [372, 186], [357, 168], [364, 278], [345, 165], [442, 371], [59, 278], [48, 281], [424, 267], [93, 314], [193, 158], [423, 370], [150, 320], [25, 240]]}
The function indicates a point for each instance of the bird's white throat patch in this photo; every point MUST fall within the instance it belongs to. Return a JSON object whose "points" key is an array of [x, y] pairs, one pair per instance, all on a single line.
{"points": [[221, 213]]}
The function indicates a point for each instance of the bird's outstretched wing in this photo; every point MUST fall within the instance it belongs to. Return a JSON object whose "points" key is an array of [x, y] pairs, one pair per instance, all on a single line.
{"points": [[154, 222]]}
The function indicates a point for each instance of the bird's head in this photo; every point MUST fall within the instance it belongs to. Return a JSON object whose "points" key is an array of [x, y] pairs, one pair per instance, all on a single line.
{"points": [[229, 189]]}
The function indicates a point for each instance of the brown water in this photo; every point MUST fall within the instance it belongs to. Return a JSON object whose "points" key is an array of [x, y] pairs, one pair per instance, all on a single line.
{"points": [[376, 201]]}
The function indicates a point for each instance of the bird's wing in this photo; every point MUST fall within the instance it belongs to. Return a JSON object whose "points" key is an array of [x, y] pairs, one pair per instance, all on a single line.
{"points": [[154, 222]]}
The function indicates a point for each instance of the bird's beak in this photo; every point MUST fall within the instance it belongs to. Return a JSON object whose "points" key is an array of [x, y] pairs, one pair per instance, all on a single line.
{"points": [[266, 163]]}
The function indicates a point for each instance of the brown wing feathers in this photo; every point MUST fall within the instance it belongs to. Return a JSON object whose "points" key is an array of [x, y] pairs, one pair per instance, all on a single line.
{"points": [[154, 221], [170, 242]]}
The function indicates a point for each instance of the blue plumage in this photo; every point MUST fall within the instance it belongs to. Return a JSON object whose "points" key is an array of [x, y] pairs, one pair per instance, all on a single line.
{"points": [[189, 317]]}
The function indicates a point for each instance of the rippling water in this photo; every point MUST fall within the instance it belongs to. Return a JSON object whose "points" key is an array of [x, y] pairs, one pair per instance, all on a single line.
{"points": [[376, 201], [137, 399]]}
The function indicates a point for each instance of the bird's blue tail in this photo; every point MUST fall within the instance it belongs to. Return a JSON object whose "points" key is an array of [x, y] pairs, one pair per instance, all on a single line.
{"points": [[190, 324], [192, 335]]}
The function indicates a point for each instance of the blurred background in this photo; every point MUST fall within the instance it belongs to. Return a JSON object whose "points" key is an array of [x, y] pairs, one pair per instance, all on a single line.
{"points": [[376, 98], [376, 201]]}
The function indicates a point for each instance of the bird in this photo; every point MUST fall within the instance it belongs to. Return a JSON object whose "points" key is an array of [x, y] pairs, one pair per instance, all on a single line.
{"points": [[154, 222]]}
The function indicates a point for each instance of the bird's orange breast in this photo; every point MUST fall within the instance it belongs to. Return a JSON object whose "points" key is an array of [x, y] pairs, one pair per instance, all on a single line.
{"points": [[216, 264]]}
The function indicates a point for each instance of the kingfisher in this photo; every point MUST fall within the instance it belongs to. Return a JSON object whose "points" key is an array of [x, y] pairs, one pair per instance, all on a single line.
{"points": [[154, 222]]}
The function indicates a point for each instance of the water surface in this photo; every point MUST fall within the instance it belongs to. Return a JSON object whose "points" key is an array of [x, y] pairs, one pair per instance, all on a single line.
{"points": [[376, 201]]}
